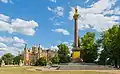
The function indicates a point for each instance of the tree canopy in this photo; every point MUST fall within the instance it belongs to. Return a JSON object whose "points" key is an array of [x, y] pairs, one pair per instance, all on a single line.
{"points": [[8, 58], [89, 48], [111, 45], [64, 53]]}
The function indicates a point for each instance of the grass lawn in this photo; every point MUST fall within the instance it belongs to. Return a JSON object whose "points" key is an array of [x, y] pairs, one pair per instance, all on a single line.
{"points": [[23, 70]]}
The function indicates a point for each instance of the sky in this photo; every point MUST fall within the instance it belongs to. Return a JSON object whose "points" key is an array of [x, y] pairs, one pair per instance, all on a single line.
{"points": [[50, 22]]}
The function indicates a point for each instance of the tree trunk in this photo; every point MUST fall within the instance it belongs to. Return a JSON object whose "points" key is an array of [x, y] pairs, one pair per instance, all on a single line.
{"points": [[116, 63], [119, 62]]}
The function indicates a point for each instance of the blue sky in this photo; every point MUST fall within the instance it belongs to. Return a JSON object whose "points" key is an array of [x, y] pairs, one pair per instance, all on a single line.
{"points": [[50, 22]]}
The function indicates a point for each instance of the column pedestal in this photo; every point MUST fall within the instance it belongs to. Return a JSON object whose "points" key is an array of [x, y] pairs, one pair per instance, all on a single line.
{"points": [[76, 55]]}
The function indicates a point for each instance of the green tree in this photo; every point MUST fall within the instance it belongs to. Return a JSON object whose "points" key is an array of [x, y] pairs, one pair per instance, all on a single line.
{"points": [[55, 59], [118, 45], [41, 62], [64, 53], [111, 44], [89, 48], [8, 58], [106, 46], [0, 61], [16, 60]]}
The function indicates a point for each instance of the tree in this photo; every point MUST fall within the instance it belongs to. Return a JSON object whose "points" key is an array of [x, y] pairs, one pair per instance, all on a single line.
{"points": [[16, 60], [111, 45], [105, 40], [55, 59], [8, 58], [0, 61], [89, 48], [118, 45], [64, 53], [41, 62]]}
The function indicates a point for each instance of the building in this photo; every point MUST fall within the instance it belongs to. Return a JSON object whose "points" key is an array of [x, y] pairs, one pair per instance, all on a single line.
{"points": [[33, 54]]}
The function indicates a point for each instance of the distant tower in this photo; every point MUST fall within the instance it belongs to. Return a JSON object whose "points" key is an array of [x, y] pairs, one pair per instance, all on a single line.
{"points": [[26, 55], [34, 49], [34, 54], [39, 51]]}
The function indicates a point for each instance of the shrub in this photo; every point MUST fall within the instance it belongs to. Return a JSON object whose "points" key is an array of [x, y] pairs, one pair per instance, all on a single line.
{"points": [[41, 62], [55, 59]]}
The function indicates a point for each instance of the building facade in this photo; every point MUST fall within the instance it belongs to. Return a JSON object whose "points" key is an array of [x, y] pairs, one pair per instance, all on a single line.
{"points": [[33, 54]]}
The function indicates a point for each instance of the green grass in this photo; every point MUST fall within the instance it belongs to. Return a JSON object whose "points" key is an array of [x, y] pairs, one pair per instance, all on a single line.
{"points": [[23, 70]]}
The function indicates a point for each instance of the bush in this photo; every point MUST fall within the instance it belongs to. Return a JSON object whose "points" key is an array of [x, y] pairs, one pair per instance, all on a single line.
{"points": [[65, 58], [55, 59], [41, 62]]}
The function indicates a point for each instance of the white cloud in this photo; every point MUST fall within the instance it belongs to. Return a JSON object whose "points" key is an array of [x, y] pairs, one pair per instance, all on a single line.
{"points": [[4, 26], [13, 50], [116, 11], [63, 31], [50, 9], [11, 40], [86, 1], [4, 17], [53, 1], [58, 11], [19, 45], [65, 42], [95, 17], [58, 23], [6, 39], [18, 40], [17, 25], [23, 27], [2, 45], [54, 48], [11, 44], [6, 1], [3, 49]]}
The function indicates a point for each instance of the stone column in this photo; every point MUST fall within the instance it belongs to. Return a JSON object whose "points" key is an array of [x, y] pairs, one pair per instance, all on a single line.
{"points": [[76, 49], [76, 28]]}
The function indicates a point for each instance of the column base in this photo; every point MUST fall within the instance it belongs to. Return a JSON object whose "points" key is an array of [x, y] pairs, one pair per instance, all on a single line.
{"points": [[76, 55]]}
